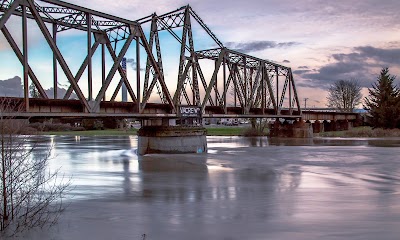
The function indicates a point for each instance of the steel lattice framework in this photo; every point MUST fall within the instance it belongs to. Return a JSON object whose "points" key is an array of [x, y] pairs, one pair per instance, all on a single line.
{"points": [[257, 86]]}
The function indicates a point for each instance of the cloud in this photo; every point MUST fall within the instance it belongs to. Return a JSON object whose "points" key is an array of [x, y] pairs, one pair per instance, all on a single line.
{"points": [[60, 93], [299, 72], [365, 53], [303, 67], [362, 64], [11, 87], [132, 63], [255, 46]]}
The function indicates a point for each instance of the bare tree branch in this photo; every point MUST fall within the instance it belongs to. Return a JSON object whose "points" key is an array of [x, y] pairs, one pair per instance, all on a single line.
{"points": [[31, 195], [344, 95]]}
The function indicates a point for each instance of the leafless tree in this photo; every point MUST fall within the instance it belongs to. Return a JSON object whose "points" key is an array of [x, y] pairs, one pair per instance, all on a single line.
{"points": [[344, 95], [31, 194]]}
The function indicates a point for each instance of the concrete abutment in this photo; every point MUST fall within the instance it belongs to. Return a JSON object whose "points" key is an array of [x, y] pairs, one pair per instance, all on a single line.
{"points": [[171, 139]]}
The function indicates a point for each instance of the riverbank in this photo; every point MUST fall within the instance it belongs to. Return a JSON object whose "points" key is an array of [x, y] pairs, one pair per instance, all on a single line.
{"points": [[216, 130], [363, 132], [221, 130]]}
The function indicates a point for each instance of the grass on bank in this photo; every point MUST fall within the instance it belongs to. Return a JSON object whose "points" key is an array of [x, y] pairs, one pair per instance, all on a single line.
{"points": [[225, 131], [364, 132]]}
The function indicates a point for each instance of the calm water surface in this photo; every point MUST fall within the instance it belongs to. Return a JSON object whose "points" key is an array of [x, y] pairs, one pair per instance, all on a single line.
{"points": [[244, 188]]}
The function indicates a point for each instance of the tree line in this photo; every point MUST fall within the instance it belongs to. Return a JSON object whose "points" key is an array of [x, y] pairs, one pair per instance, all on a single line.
{"points": [[382, 103]]}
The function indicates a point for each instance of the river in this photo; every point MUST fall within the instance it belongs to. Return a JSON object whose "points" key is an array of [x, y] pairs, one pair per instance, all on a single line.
{"points": [[243, 188]]}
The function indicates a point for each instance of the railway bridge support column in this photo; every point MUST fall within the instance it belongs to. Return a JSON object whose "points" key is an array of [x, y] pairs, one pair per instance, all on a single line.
{"points": [[298, 129], [318, 126], [154, 137]]}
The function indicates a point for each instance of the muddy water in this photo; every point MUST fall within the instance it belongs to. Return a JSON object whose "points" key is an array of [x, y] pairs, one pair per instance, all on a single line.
{"points": [[244, 188]]}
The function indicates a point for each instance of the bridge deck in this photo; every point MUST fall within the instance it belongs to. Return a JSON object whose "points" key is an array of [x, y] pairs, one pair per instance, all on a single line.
{"points": [[58, 108]]}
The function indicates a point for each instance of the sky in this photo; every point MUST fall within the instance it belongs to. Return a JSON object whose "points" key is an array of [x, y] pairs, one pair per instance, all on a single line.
{"points": [[322, 41]]}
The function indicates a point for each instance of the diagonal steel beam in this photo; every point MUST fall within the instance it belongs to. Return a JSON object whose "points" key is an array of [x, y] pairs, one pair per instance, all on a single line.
{"points": [[160, 75], [270, 90], [8, 13], [203, 81], [153, 31], [260, 93], [184, 76], [17, 52], [204, 26], [213, 79], [114, 96], [58, 54], [226, 88], [241, 80], [148, 93], [284, 91], [81, 70], [182, 79], [122, 73], [113, 69], [254, 89], [236, 84], [294, 91]]}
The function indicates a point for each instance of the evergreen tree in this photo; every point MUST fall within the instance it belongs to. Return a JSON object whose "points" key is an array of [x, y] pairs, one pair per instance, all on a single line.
{"points": [[33, 92], [383, 102]]}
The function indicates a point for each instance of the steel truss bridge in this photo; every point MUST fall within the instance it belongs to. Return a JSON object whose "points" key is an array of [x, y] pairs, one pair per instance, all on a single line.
{"points": [[237, 84]]}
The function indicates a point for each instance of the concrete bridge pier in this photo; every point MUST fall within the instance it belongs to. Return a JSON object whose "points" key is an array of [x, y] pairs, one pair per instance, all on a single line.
{"points": [[298, 129], [338, 125], [329, 126], [318, 126], [344, 125], [163, 136]]}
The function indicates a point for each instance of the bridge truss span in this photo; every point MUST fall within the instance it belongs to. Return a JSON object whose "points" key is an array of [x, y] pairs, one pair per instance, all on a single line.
{"points": [[221, 81], [254, 81]]}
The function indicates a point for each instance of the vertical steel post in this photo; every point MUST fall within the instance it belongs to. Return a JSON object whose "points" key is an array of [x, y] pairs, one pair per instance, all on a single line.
{"points": [[290, 92], [89, 53], [138, 72], [215, 87], [251, 81], [224, 79], [235, 80], [179, 87], [277, 90], [194, 76], [245, 82], [25, 53], [55, 74], [153, 31], [195, 83], [263, 89], [103, 66]]}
